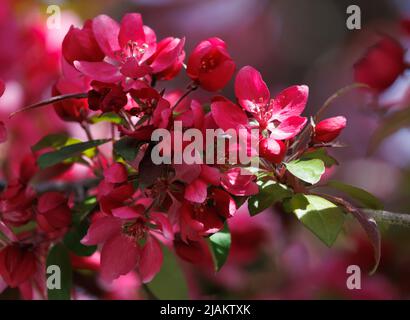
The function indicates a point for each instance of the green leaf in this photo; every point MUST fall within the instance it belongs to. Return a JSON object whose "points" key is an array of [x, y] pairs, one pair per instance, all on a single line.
{"points": [[321, 154], [73, 237], [127, 148], [52, 158], [365, 198], [58, 256], [270, 192], [108, 117], [390, 125], [307, 170], [170, 282], [319, 215], [30, 226], [220, 245], [51, 141], [83, 209]]}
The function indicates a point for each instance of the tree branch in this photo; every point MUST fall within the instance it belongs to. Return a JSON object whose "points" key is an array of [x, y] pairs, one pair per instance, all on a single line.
{"points": [[50, 101], [400, 219]]}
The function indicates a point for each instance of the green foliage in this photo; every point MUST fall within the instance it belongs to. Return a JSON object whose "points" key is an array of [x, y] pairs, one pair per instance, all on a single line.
{"points": [[270, 192], [307, 170], [108, 117], [321, 154], [73, 237], [365, 198], [59, 256], [319, 215], [127, 148], [70, 151], [220, 245], [170, 282]]}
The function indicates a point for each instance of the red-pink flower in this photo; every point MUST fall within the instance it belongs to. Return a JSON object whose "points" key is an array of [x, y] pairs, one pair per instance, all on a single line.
{"points": [[196, 252], [122, 235], [167, 60], [2, 87], [197, 189], [17, 264], [328, 129], [106, 97], [71, 81], [210, 65], [198, 220], [280, 115], [272, 150], [152, 105], [228, 115], [17, 198], [81, 45], [3, 132], [53, 214], [114, 190], [381, 65], [126, 48], [239, 184]]}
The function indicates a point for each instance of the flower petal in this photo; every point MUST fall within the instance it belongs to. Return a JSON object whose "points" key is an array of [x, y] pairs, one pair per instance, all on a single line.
{"points": [[100, 71], [106, 32], [227, 115], [101, 230], [126, 213], [290, 102], [239, 184], [210, 175], [163, 223], [250, 89], [151, 260], [196, 191], [288, 128], [118, 257], [117, 173], [131, 29]]}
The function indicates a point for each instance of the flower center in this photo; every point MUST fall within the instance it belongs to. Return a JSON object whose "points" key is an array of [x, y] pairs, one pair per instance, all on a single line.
{"points": [[133, 50], [136, 229], [199, 211]]}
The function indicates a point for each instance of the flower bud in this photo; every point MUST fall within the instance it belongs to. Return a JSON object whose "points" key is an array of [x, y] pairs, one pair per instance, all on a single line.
{"points": [[53, 214], [106, 97], [81, 45], [210, 65], [168, 58], [328, 129], [17, 265], [272, 150], [381, 65]]}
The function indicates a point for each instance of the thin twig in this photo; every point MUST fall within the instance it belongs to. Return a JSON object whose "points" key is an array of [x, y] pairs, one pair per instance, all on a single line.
{"points": [[149, 293], [50, 101], [336, 95], [190, 88]]}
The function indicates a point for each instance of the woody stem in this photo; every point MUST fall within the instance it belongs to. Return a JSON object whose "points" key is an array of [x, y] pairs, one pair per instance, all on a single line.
{"points": [[50, 101]]}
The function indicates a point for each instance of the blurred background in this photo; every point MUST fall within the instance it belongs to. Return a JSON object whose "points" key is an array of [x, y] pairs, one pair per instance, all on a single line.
{"points": [[290, 42]]}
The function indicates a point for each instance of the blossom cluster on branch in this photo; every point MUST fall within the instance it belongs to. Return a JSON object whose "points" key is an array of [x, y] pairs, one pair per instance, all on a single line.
{"points": [[132, 209]]}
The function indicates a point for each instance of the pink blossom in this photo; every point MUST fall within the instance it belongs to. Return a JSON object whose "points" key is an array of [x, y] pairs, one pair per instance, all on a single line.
{"points": [[210, 65], [280, 115]]}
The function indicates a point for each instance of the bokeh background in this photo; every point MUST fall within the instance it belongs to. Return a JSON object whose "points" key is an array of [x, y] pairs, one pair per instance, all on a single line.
{"points": [[290, 42]]}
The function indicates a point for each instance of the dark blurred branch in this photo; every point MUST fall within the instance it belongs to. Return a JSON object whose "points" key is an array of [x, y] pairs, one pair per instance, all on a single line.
{"points": [[400, 219], [78, 187]]}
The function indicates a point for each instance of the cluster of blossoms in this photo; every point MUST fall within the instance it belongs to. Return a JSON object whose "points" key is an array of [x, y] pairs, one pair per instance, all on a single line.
{"points": [[116, 73], [383, 69]]}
